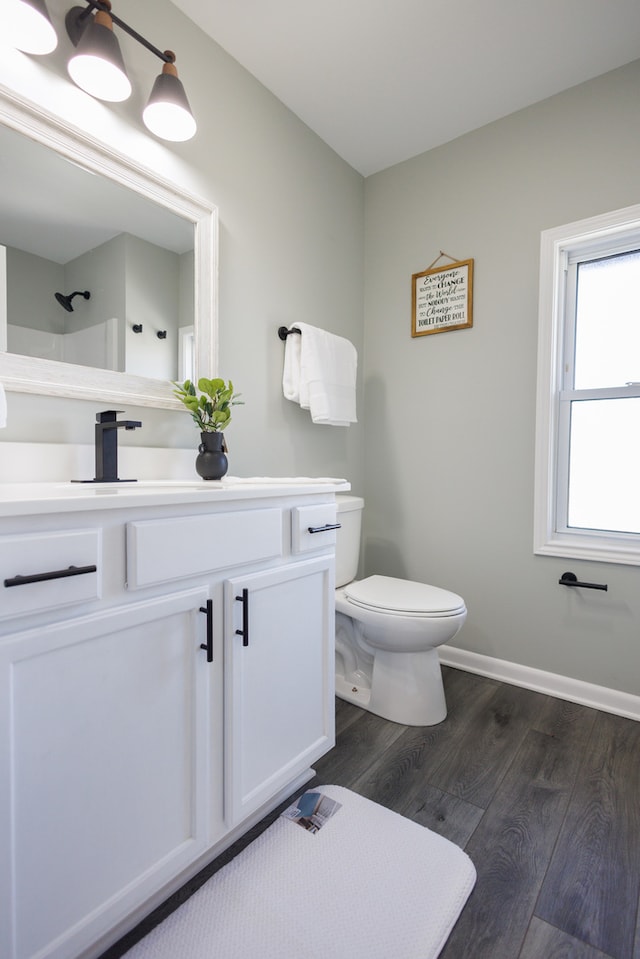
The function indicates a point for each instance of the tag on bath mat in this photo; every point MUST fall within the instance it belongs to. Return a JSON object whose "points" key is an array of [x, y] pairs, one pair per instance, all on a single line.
{"points": [[312, 810]]}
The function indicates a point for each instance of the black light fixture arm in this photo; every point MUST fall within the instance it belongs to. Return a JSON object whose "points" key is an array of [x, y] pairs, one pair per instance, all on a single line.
{"points": [[92, 30], [76, 22]]}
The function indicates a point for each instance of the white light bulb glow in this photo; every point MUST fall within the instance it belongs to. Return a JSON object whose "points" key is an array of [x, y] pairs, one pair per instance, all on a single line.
{"points": [[169, 121], [101, 79], [31, 31]]}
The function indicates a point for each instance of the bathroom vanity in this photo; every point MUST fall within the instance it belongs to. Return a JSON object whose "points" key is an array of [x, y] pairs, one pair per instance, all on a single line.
{"points": [[166, 678]]}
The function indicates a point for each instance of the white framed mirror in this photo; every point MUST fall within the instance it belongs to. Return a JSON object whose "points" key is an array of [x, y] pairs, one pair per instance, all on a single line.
{"points": [[78, 218]]}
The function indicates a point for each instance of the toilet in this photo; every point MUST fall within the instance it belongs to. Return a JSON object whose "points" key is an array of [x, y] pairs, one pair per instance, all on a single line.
{"points": [[387, 634]]}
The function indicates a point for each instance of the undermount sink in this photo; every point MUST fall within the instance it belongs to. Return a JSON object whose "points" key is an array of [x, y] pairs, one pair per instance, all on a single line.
{"points": [[131, 486], [87, 490], [64, 496], [137, 486]]}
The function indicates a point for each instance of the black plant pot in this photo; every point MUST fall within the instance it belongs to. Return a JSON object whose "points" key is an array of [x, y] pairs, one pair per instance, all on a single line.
{"points": [[211, 461]]}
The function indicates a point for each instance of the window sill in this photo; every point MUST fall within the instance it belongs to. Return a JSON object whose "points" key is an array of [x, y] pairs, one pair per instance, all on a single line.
{"points": [[590, 549]]}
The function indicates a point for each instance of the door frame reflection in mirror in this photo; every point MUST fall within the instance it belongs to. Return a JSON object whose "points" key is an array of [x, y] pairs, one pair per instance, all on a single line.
{"points": [[52, 378]]}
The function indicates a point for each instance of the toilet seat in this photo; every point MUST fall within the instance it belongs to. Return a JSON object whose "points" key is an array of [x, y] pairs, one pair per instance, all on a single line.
{"points": [[401, 597]]}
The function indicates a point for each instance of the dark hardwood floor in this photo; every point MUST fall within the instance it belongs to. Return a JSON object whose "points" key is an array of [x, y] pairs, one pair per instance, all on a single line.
{"points": [[544, 795]]}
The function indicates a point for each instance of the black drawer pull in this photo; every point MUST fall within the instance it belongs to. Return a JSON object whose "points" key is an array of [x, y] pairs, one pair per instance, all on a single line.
{"points": [[244, 632], [208, 609], [323, 529], [54, 574]]}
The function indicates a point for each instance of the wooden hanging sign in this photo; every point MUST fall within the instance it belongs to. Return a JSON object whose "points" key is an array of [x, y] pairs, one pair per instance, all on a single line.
{"points": [[442, 297]]}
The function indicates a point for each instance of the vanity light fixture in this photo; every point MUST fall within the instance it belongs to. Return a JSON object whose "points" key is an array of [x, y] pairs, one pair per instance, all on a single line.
{"points": [[168, 114], [98, 68], [31, 27]]}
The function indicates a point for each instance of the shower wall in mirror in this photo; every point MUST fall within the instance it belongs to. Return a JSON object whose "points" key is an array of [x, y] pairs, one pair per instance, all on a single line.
{"points": [[124, 285], [107, 279]]}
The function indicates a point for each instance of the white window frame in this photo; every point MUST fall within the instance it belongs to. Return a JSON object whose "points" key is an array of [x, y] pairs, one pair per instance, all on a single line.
{"points": [[616, 231]]}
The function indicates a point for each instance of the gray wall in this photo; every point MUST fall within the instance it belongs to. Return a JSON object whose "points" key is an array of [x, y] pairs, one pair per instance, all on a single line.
{"points": [[291, 239], [152, 295], [101, 271], [449, 441], [31, 282], [447, 470]]}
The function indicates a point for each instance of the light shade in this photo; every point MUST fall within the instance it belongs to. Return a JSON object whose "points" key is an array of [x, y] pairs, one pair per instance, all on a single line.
{"points": [[31, 27], [97, 65], [168, 114]]}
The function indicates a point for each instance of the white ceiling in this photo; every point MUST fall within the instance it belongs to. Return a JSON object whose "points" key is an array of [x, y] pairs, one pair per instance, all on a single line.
{"points": [[80, 213], [384, 80]]}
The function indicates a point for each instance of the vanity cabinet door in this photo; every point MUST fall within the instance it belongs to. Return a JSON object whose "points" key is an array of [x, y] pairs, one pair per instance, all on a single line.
{"points": [[279, 680], [104, 769]]}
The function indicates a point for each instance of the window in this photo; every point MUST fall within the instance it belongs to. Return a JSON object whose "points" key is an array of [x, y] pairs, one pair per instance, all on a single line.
{"points": [[587, 484], [186, 353]]}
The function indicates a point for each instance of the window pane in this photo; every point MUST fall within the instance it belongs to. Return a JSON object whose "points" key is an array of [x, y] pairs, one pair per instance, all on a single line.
{"points": [[608, 322], [604, 473]]}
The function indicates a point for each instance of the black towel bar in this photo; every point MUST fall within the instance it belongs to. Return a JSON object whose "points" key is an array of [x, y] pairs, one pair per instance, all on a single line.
{"points": [[570, 579], [283, 332]]}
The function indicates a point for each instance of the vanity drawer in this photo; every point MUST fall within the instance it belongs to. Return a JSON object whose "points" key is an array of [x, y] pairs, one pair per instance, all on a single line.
{"points": [[159, 551], [313, 527], [47, 570]]}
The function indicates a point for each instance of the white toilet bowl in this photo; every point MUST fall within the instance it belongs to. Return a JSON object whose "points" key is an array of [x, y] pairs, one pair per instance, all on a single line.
{"points": [[387, 634]]}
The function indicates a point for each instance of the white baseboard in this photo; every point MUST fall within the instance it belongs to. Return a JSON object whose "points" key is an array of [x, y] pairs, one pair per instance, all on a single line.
{"points": [[562, 687]]}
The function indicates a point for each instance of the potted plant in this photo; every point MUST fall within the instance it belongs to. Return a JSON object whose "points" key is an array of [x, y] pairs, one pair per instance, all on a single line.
{"points": [[210, 410]]}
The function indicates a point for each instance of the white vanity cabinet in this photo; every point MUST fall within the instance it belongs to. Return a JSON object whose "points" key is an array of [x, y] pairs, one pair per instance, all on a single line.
{"points": [[139, 735], [278, 637], [279, 709], [105, 745]]}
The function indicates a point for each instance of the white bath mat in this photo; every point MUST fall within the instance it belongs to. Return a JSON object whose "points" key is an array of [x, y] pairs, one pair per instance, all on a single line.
{"points": [[368, 884]]}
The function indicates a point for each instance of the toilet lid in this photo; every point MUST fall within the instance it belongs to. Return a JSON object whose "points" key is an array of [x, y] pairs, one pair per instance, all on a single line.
{"points": [[403, 596]]}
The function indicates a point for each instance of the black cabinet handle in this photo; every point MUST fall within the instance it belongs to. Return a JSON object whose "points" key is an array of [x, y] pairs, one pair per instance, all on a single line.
{"points": [[244, 632], [208, 609], [54, 574], [323, 529]]}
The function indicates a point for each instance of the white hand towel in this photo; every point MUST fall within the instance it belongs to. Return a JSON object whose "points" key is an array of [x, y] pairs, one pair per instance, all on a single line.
{"points": [[3, 407], [320, 374], [291, 372]]}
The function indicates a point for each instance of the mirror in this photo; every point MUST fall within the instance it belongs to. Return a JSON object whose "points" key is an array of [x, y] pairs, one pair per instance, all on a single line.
{"points": [[107, 273]]}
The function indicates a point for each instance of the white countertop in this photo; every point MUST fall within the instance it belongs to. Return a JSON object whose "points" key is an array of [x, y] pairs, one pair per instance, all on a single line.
{"points": [[20, 499]]}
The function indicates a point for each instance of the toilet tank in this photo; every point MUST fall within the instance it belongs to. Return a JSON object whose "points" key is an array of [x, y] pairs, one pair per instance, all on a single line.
{"points": [[348, 537]]}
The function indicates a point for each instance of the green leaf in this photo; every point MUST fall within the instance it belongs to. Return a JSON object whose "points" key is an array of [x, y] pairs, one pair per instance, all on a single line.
{"points": [[211, 410]]}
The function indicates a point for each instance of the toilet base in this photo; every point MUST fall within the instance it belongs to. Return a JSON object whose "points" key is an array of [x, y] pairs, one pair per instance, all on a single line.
{"points": [[358, 695], [405, 688]]}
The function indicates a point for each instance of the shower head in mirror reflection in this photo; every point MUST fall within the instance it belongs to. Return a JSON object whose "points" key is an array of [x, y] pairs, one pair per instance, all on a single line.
{"points": [[65, 301], [97, 66]]}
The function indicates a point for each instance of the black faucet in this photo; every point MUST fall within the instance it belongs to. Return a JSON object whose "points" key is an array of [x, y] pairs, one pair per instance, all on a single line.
{"points": [[107, 426]]}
